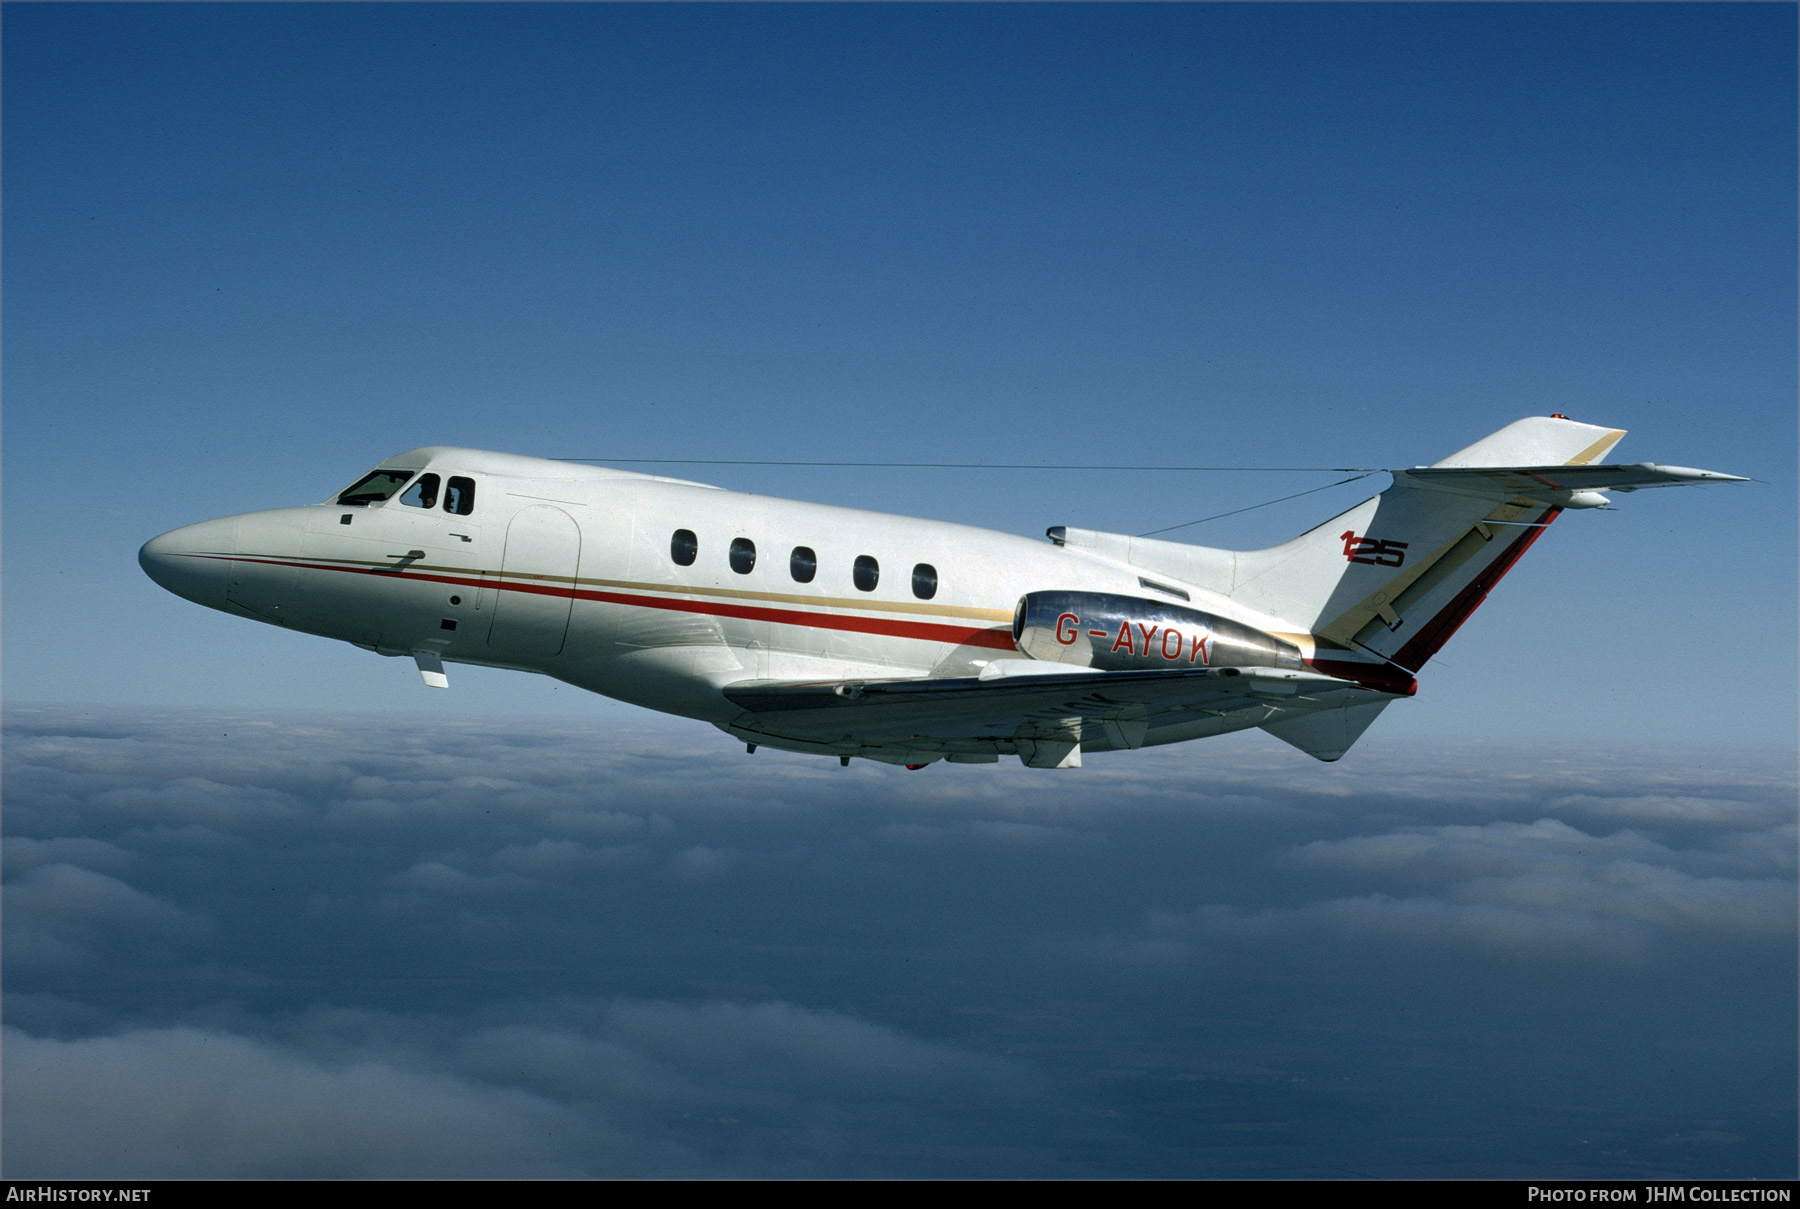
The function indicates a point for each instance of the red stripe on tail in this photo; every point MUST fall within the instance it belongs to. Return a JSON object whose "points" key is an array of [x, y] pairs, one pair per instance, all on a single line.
{"points": [[1435, 633]]}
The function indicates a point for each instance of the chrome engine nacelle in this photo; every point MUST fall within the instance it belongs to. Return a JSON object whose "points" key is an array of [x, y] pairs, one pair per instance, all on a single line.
{"points": [[1129, 633]]}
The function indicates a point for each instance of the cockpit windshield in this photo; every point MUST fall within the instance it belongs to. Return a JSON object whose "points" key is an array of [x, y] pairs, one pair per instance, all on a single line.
{"points": [[375, 486]]}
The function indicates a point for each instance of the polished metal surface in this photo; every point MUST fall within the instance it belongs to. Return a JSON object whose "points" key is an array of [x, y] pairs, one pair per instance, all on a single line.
{"points": [[1127, 633]]}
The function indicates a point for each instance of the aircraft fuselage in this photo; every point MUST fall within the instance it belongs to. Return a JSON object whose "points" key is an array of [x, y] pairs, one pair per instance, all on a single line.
{"points": [[650, 590]]}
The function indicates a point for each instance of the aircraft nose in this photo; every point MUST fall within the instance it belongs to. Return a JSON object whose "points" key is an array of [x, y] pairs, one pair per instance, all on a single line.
{"points": [[194, 562]]}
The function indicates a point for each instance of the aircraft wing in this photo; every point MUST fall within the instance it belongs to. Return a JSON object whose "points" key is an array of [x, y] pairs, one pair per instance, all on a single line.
{"points": [[1022, 706]]}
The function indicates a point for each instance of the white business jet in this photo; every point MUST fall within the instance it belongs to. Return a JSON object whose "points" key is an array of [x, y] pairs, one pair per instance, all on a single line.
{"points": [[846, 633]]}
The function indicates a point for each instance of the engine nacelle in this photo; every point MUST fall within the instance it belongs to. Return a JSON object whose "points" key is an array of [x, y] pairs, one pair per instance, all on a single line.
{"points": [[1129, 633]]}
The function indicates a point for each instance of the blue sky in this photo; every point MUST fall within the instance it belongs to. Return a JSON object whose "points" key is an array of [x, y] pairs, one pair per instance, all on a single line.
{"points": [[251, 250]]}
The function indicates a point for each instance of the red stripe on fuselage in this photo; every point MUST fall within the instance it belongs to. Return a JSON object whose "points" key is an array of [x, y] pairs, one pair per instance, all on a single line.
{"points": [[998, 638]]}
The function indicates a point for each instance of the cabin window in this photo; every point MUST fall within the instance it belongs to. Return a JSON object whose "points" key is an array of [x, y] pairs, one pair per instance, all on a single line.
{"points": [[924, 581], [743, 555], [375, 487], [866, 574], [422, 494], [460, 497], [803, 564], [684, 547]]}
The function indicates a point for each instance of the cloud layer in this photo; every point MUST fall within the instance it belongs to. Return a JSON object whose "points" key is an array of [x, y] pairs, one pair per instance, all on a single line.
{"points": [[344, 947]]}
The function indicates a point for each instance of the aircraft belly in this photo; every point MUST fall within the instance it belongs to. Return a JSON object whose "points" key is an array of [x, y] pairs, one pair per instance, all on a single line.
{"points": [[672, 679]]}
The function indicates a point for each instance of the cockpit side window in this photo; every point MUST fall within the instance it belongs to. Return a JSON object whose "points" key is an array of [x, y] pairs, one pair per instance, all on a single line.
{"points": [[460, 496], [422, 494], [375, 486]]}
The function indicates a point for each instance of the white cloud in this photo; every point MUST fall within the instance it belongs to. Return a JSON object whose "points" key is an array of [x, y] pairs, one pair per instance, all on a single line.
{"points": [[350, 1096], [182, 1103], [1458, 851], [702, 862], [555, 859], [23, 853], [199, 800], [1494, 927], [533, 910], [61, 913], [779, 1045], [1669, 899], [1651, 810], [1563, 874]]}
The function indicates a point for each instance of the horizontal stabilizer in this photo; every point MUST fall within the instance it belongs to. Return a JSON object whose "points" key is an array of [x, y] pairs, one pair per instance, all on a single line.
{"points": [[1555, 484]]}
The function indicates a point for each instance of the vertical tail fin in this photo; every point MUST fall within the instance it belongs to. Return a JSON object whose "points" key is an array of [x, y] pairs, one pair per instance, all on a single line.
{"points": [[1381, 588], [1395, 576], [1398, 574]]}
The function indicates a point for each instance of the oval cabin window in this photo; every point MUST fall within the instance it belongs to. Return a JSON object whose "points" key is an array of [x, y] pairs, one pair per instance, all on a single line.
{"points": [[743, 555], [684, 547], [924, 581], [803, 564], [866, 574]]}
